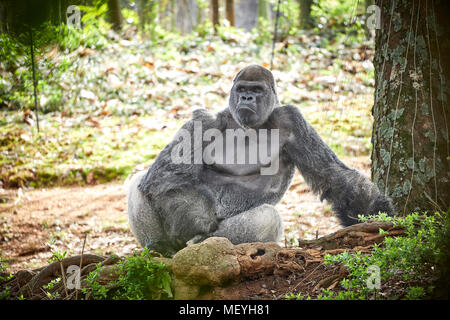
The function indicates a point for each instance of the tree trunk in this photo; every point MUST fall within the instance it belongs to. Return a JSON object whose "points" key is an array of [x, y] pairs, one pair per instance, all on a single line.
{"points": [[215, 13], [147, 14], [3, 17], [115, 14], [142, 10], [229, 9], [306, 21], [410, 157]]}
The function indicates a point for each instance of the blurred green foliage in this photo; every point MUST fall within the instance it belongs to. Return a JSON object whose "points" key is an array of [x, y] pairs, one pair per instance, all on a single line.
{"points": [[81, 105]]}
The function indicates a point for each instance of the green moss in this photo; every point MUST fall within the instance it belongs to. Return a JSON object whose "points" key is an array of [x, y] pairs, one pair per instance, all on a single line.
{"points": [[78, 154]]}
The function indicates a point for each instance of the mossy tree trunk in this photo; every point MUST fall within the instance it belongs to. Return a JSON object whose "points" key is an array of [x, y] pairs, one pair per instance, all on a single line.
{"points": [[410, 158]]}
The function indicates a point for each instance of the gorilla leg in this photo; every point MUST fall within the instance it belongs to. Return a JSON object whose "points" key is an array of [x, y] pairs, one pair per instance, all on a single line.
{"points": [[173, 218], [260, 224], [144, 224], [186, 213]]}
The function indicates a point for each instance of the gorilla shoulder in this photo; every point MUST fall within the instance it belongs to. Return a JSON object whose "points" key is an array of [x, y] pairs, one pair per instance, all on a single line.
{"points": [[209, 119], [203, 115]]}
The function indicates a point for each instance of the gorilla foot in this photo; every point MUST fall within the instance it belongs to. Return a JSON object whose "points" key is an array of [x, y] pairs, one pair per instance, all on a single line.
{"points": [[260, 224]]}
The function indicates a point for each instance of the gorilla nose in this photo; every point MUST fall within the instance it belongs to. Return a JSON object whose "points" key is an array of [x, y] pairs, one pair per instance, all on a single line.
{"points": [[247, 99]]}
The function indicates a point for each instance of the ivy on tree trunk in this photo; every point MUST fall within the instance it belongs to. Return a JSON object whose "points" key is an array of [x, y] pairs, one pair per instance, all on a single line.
{"points": [[411, 155]]}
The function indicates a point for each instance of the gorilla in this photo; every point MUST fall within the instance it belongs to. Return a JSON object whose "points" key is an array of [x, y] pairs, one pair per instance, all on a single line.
{"points": [[183, 199]]}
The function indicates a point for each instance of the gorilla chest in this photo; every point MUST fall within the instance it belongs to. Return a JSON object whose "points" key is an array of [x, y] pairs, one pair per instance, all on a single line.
{"points": [[233, 194], [239, 152]]}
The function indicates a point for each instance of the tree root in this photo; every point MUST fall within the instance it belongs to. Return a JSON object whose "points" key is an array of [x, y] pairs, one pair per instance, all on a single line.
{"points": [[215, 268], [361, 234], [53, 270]]}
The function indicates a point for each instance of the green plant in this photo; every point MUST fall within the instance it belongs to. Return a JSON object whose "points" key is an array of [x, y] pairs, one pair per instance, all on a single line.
{"points": [[50, 286], [140, 278], [6, 293], [341, 295], [298, 296], [57, 256], [412, 258], [415, 293], [95, 290], [143, 278], [264, 32]]}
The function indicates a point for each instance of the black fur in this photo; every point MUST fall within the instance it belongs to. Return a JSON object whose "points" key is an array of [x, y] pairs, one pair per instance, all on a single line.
{"points": [[173, 205]]}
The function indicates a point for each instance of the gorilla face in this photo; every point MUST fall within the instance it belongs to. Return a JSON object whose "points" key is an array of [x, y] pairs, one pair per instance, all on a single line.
{"points": [[252, 97]]}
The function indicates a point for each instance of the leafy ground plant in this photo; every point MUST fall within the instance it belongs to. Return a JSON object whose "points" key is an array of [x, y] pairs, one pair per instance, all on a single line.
{"points": [[140, 278], [4, 276], [408, 266]]}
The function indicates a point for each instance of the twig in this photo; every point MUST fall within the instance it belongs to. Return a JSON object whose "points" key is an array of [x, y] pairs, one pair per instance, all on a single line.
{"points": [[81, 264], [36, 108], [296, 286], [63, 276]]}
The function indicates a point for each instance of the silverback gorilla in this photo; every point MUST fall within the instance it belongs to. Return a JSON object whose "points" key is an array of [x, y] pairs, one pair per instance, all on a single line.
{"points": [[181, 202]]}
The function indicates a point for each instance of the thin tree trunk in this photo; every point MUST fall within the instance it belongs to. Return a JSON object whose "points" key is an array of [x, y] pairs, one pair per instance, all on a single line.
{"points": [[410, 157], [229, 9], [2, 17], [115, 14], [306, 21], [199, 15], [33, 70], [215, 13], [142, 13]]}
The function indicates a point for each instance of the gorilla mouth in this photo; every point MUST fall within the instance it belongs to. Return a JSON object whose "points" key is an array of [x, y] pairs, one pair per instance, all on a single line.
{"points": [[247, 116], [246, 107]]}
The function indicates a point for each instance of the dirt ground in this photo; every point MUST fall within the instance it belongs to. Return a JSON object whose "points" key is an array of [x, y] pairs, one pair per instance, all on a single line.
{"points": [[34, 223]]}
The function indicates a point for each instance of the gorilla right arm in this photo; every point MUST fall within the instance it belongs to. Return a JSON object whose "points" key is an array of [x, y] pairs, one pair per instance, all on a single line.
{"points": [[183, 205], [165, 174], [349, 192]]}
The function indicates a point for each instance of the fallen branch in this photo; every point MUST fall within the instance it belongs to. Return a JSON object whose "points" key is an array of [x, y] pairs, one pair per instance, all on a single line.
{"points": [[361, 234], [53, 269]]}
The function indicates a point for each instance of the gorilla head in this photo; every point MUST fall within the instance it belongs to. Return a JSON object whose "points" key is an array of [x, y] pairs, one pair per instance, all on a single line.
{"points": [[252, 96]]}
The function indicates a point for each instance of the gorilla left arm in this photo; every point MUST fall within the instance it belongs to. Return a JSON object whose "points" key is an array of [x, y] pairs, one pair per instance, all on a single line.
{"points": [[349, 192]]}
